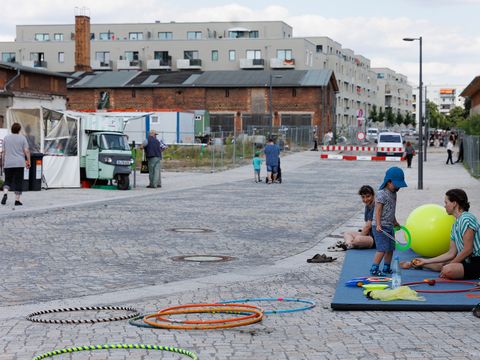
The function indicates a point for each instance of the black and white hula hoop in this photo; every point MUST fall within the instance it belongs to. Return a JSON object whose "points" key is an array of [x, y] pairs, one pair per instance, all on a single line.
{"points": [[34, 316]]}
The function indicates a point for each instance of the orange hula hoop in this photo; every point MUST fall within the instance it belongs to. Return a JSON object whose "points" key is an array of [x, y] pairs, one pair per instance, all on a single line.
{"points": [[256, 316]]}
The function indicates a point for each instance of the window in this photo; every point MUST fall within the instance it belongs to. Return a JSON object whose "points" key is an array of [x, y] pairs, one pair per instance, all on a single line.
{"points": [[380, 76], [165, 59], [131, 55], [103, 57], [107, 36], [61, 57], [165, 35], [191, 54], [254, 54], [253, 34], [231, 55], [58, 37], [319, 48], [227, 92], [285, 54], [214, 55], [42, 37], [8, 57], [194, 35], [135, 36]]}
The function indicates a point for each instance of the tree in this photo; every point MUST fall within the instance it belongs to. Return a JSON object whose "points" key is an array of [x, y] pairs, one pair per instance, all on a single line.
{"points": [[389, 117], [381, 116], [408, 119], [373, 114], [471, 125], [437, 119], [399, 118], [456, 116]]}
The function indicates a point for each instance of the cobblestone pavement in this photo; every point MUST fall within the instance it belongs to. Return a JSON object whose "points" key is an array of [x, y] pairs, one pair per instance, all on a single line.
{"points": [[118, 252]]}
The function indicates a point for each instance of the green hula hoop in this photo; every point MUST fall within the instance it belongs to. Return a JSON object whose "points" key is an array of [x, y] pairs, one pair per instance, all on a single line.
{"points": [[188, 353], [399, 246]]}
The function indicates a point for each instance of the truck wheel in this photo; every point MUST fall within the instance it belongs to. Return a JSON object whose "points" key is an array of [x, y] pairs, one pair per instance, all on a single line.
{"points": [[123, 182]]}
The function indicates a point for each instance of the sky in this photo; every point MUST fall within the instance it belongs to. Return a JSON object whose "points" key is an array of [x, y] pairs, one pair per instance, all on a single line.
{"points": [[371, 28]]}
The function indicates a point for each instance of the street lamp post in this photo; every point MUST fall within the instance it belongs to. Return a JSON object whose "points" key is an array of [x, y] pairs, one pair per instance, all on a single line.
{"points": [[420, 117], [271, 100]]}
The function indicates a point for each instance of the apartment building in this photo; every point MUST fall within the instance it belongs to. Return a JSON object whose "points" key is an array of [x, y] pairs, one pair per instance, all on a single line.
{"points": [[204, 46], [446, 96], [395, 90]]}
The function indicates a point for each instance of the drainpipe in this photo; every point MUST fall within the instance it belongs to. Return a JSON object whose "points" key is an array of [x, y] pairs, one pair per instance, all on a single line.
{"points": [[7, 84]]}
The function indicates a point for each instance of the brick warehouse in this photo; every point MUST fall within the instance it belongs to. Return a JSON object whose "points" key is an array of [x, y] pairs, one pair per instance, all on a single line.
{"points": [[233, 98]]}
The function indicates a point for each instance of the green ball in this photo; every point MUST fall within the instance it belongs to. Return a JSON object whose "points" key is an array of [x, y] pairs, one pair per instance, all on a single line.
{"points": [[430, 228]]}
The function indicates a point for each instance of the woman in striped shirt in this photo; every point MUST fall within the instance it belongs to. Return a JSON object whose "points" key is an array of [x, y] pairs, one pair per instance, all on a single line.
{"points": [[462, 260]]}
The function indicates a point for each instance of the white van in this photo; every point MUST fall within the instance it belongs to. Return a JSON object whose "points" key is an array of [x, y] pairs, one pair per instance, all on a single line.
{"points": [[390, 140], [372, 134]]}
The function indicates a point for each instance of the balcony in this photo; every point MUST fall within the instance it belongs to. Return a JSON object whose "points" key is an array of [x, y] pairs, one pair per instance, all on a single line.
{"points": [[252, 63], [102, 65], [282, 63], [189, 64], [129, 65], [159, 64], [35, 64]]}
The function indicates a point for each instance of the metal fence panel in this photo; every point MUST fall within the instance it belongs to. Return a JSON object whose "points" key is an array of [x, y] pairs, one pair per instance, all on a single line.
{"points": [[471, 154]]}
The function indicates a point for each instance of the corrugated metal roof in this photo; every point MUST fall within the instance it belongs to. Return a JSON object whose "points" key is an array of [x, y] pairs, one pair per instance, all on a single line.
{"points": [[107, 79], [15, 66], [238, 78], [261, 78], [316, 77]]}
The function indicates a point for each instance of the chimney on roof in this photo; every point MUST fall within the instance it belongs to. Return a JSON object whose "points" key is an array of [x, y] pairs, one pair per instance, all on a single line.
{"points": [[82, 40]]}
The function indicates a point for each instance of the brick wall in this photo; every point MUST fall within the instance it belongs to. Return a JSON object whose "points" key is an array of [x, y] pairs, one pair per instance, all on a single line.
{"points": [[234, 100], [34, 83]]}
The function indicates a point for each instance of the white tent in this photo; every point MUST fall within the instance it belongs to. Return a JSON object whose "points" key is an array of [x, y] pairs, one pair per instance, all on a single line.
{"points": [[55, 134]]}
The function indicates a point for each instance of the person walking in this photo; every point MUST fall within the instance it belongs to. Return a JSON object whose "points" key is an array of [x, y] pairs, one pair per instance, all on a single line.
{"points": [[460, 151], [153, 150], [15, 158], [272, 157], [450, 150], [409, 153], [257, 165]]}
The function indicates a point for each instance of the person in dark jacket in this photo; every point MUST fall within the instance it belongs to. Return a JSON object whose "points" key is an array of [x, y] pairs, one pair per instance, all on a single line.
{"points": [[153, 149]]}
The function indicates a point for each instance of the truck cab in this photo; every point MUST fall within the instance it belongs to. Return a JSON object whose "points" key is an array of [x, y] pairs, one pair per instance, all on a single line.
{"points": [[107, 157]]}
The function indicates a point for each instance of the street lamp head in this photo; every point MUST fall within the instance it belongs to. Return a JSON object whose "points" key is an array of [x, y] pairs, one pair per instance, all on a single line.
{"points": [[409, 39]]}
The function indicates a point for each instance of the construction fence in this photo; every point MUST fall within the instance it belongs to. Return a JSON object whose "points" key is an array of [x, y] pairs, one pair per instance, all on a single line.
{"points": [[471, 154], [223, 150]]}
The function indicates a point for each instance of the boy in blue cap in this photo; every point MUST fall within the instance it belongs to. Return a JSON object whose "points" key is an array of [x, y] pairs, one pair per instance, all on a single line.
{"points": [[384, 220]]}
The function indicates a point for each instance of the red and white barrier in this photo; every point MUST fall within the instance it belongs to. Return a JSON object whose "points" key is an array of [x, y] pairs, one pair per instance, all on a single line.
{"points": [[360, 157], [360, 148]]}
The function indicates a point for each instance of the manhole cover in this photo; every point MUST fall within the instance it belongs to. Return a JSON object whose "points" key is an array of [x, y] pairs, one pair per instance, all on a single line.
{"points": [[190, 230], [203, 258]]}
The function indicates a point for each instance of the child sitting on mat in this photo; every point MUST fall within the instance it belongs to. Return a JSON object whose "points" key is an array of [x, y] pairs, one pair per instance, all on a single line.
{"points": [[363, 238], [384, 220]]}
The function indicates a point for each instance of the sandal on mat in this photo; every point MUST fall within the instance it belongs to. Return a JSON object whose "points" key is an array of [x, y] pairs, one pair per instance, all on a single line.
{"points": [[317, 258]]}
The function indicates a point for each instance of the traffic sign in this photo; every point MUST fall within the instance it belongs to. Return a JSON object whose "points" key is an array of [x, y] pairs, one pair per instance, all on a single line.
{"points": [[361, 136]]}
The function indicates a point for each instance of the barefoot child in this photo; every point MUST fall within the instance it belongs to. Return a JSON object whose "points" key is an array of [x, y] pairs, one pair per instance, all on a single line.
{"points": [[384, 220]]}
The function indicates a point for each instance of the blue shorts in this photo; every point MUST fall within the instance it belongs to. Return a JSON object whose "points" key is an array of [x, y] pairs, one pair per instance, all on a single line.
{"points": [[273, 169], [382, 242]]}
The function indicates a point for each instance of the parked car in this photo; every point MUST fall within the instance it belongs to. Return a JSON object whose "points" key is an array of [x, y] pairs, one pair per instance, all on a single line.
{"points": [[390, 140], [372, 133]]}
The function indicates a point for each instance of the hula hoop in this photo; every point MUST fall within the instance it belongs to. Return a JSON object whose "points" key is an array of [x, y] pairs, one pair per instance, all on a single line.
{"points": [[53, 353], [432, 282], [303, 308], [31, 317], [399, 246], [165, 323]]}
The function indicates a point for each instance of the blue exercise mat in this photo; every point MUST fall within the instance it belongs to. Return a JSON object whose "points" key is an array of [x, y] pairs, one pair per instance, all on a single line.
{"points": [[357, 263]]}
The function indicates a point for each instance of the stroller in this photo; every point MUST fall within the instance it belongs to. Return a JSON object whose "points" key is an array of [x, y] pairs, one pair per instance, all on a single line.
{"points": [[279, 174]]}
